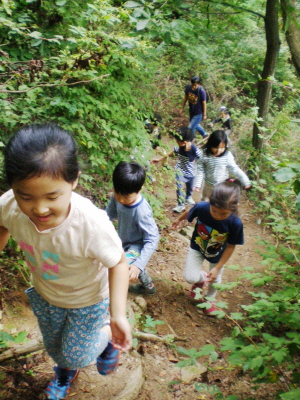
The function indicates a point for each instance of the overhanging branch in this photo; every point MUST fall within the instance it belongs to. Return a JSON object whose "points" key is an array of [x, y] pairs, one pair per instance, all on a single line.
{"points": [[236, 7], [52, 85]]}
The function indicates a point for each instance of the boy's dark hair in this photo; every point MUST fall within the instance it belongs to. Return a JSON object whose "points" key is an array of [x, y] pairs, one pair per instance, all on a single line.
{"points": [[37, 150], [183, 134], [196, 79], [216, 138], [128, 177], [226, 195]]}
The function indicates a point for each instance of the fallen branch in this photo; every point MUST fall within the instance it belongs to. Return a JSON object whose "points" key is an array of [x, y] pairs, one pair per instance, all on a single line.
{"points": [[154, 338], [21, 350], [36, 345]]}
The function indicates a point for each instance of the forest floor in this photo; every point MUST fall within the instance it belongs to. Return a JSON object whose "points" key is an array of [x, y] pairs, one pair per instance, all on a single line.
{"points": [[27, 378]]}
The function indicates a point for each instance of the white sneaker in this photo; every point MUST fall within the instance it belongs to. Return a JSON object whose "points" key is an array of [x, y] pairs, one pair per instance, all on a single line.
{"points": [[190, 200], [178, 209]]}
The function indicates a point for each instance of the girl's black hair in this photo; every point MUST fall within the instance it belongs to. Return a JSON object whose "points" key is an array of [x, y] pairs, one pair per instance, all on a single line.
{"points": [[37, 150], [214, 140], [128, 178], [226, 195]]}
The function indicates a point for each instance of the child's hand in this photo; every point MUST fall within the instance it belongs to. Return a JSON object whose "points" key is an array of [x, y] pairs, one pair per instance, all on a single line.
{"points": [[155, 160], [248, 187], [176, 224], [133, 272], [121, 333], [196, 189], [212, 275]]}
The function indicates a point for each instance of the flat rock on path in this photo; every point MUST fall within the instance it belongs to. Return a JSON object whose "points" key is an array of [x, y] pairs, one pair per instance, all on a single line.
{"points": [[123, 384]]}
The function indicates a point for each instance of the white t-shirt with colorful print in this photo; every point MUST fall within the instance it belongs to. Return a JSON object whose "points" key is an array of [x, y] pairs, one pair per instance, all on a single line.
{"points": [[69, 262]]}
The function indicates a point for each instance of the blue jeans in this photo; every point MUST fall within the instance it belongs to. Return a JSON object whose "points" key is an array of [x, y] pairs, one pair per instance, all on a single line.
{"points": [[132, 253], [181, 194], [195, 124]]}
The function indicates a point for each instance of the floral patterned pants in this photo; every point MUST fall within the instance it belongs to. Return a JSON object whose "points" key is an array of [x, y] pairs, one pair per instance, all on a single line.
{"points": [[73, 337]]}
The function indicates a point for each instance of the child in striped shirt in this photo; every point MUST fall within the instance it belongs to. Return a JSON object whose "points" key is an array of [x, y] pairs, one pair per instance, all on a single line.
{"points": [[186, 167], [217, 163]]}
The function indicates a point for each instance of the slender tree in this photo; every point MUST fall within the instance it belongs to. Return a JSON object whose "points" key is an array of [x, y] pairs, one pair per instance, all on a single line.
{"points": [[264, 92], [292, 31]]}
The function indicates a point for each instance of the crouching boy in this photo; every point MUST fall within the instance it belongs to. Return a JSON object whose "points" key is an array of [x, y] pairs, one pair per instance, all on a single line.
{"points": [[136, 226]]}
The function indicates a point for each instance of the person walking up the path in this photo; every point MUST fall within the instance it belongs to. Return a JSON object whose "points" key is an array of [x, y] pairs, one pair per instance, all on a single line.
{"points": [[79, 269], [196, 97], [217, 232], [224, 119]]}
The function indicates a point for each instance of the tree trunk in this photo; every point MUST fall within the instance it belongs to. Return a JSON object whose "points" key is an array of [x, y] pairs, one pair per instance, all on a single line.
{"points": [[292, 31], [264, 85]]}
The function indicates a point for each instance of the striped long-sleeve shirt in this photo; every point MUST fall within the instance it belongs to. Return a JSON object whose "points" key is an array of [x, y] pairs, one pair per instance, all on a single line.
{"points": [[217, 169], [187, 163]]}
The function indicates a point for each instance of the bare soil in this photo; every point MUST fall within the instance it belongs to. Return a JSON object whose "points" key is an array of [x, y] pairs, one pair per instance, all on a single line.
{"points": [[26, 378]]}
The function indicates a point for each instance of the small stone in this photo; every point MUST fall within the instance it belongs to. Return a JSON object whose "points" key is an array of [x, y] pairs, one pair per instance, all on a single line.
{"points": [[191, 372], [141, 302]]}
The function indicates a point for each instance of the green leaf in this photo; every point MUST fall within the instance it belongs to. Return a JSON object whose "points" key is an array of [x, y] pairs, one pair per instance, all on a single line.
{"points": [[296, 186], [132, 4], [71, 40], [213, 389], [142, 23], [284, 174], [207, 350], [279, 355], [233, 267], [214, 356], [35, 34], [4, 336], [36, 42], [261, 281], [21, 337], [256, 362], [237, 316], [294, 165], [250, 331], [291, 395]]}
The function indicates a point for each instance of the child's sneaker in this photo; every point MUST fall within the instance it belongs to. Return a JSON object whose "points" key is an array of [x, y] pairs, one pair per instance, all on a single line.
{"points": [[199, 285], [59, 386], [178, 209], [190, 201], [108, 360], [141, 289], [209, 312]]}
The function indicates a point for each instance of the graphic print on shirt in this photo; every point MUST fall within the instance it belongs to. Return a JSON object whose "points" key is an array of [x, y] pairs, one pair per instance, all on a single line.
{"points": [[50, 270], [210, 240], [29, 253], [192, 98]]}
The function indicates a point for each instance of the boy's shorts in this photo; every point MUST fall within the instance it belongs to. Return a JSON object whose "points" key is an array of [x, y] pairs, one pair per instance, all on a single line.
{"points": [[132, 253]]}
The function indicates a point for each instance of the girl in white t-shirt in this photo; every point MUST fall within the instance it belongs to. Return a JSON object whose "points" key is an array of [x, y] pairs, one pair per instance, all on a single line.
{"points": [[73, 251]]}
